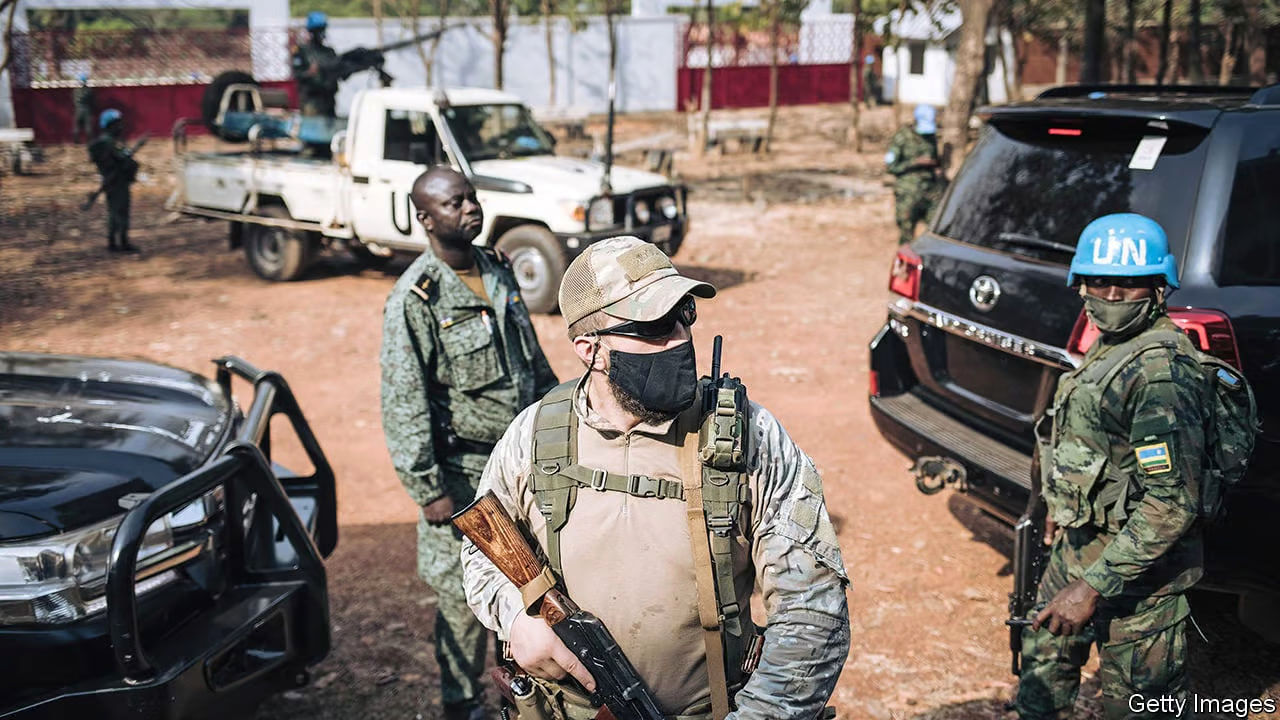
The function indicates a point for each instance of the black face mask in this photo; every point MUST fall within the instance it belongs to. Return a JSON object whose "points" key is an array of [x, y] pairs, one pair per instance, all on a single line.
{"points": [[665, 382]]}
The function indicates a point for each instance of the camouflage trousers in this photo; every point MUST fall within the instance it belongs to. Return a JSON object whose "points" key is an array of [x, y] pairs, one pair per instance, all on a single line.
{"points": [[914, 196], [460, 638], [1142, 651]]}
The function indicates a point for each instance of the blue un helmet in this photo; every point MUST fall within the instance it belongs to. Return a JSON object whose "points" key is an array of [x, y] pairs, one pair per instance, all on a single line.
{"points": [[317, 20], [109, 116], [926, 120], [1123, 245]]}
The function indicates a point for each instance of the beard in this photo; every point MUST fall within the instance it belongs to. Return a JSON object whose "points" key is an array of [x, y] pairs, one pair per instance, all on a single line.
{"points": [[632, 405]]}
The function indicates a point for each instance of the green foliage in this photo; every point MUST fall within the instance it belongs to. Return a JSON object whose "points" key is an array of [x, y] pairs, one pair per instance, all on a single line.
{"points": [[112, 19]]}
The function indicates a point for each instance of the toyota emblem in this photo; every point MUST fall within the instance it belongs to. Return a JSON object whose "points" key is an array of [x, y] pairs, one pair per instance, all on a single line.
{"points": [[984, 292]]}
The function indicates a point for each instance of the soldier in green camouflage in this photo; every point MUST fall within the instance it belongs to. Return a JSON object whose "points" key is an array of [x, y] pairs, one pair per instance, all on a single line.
{"points": [[913, 161], [315, 69], [119, 170], [1122, 478], [459, 360], [83, 102]]}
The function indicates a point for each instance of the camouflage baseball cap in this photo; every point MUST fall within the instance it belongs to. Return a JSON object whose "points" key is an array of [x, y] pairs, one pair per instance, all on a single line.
{"points": [[627, 278]]}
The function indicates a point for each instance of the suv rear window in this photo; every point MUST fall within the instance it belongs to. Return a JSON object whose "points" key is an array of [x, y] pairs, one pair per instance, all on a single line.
{"points": [[1031, 185], [1251, 245]]}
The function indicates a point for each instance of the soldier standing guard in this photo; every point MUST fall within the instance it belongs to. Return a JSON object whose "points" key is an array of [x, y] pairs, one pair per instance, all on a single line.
{"points": [[82, 121], [315, 69], [608, 474], [118, 169], [1122, 485], [459, 360], [913, 160]]}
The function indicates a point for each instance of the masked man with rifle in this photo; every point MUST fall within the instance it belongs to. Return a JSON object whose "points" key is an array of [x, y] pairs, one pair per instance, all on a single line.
{"points": [[118, 170], [659, 501], [1122, 452]]}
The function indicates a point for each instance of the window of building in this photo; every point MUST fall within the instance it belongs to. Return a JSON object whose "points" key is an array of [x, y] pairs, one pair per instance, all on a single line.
{"points": [[916, 49], [1251, 240], [410, 136]]}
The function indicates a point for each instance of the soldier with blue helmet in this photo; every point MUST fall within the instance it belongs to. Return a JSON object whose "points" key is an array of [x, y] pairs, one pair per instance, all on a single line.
{"points": [[1121, 457], [118, 169], [870, 82], [315, 69], [83, 102], [913, 161]]}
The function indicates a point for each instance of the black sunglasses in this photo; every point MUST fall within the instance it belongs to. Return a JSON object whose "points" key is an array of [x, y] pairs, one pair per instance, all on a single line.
{"points": [[686, 313], [1099, 281]]}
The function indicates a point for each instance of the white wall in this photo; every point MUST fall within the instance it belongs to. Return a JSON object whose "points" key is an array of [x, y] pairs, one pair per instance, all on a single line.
{"points": [[647, 49], [933, 87]]}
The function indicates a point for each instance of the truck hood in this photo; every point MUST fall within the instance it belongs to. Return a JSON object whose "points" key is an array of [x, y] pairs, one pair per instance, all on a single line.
{"points": [[78, 433], [567, 178]]}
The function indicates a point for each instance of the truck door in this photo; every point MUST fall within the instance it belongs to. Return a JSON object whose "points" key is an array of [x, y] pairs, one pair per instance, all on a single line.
{"points": [[392, 150]]}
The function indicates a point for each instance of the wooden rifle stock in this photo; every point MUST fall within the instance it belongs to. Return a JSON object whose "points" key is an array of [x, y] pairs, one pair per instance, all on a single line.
{"points": [[493, 531]]}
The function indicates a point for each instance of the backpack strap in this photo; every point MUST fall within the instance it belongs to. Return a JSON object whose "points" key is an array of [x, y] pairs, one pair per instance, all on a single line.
{"points": [[555, 447], [709, 608]]}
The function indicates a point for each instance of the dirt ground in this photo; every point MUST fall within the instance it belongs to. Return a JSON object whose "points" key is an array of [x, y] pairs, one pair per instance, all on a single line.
{"points": [[799, 244]]}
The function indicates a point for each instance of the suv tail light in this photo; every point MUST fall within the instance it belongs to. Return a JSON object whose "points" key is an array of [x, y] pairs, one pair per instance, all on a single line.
{"points": [[1210, 330], [904, 276]]}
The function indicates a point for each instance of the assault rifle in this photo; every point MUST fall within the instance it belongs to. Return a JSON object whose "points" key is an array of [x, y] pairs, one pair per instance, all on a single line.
{"points": [[620, 693], [361, 58], [107, 181], [1028, 565]]}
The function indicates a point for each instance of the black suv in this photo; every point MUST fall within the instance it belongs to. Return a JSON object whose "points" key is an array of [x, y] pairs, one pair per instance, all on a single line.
{"points": [[981, 321], [154, 562]]}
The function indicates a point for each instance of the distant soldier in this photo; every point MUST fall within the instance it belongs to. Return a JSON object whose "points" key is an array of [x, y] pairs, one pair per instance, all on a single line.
{"points": [[82, 98], [118, 169], [315, 69], [913, 160], [1123, 486], [459, 360], [870, 82]]}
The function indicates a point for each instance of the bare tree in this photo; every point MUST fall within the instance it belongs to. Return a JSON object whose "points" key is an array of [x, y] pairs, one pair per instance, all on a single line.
{"points": [[1254, 42], [706, 75], [499, 9], [1228, 65], [1128, 69], [855, 49], [970, 62], [1166, 22], [8, 8], [1095, 40], [775, 31], [1194, 51], [548, 15]]}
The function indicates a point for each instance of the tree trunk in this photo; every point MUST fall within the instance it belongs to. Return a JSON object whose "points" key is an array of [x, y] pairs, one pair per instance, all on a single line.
{"points": [[775, 29], [706, 74], [548, 9], [1166, 19], [10, 8], [855, 76], [1064, 55], [1130, 43], [1194, 53], [606, 184], [499, 10], [1019, 58], [1175, 57], [897, 64], [970, 61], [1095, 40], [1228, 65], [1255, 42]]}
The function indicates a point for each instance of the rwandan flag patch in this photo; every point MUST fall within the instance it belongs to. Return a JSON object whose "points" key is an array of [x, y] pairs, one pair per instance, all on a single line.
{"points": [[1154, 459]]}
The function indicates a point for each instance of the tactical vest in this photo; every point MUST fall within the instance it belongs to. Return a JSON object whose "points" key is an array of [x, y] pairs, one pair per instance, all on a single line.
{"points": [[1079, 475], [725, 493]]}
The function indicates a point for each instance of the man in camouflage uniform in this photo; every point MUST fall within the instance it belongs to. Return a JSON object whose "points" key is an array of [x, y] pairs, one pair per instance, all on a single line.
{"points": [[623, 551], [1122, 487], [118, 170], [459, 360], [870, 82], [315, 69], [82, 100], [913, 161]]}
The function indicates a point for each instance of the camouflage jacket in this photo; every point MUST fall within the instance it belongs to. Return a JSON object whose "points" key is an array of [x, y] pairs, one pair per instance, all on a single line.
{"points": [[321, 81], [82, 98], [454, 367], [907, 145], [114, 161], [1124, 474], [629, 561]]}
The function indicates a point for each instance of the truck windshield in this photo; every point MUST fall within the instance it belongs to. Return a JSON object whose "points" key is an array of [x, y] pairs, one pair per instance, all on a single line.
{"points": [[1030, 186], [485, 132]]}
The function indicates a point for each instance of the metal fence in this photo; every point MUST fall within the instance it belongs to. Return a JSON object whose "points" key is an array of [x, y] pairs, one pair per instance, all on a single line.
{"points": [[55, 58], [814, 42]]}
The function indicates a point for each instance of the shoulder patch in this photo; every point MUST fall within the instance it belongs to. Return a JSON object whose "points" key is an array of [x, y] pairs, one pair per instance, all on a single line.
{"points": [[422, 288], [1154, 459]]}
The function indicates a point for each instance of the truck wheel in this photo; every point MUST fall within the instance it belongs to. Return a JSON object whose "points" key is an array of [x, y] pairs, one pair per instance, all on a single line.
{"points": [[276, 253], [368, 259], [538, 262]]}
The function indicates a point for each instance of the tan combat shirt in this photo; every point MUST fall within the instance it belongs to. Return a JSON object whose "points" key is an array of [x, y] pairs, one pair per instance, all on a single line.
{"points": [[628, 560]]}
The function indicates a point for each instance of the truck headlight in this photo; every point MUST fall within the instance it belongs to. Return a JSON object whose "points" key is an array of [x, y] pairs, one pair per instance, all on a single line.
{"points": [[667, 206], [62, 578], [600, 213]]}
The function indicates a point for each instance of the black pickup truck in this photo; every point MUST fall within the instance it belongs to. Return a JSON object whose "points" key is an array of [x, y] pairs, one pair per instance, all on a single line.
{"points": [[154, 562], [981, 322]]}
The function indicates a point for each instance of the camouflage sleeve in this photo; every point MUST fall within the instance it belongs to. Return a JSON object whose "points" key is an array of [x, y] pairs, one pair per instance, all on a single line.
{"points": [[1166, 421], [802, 578], [895, 159], [406, 359], [491, 596]]}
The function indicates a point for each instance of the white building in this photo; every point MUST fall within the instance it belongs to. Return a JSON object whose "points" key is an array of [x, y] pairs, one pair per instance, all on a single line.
{"points": [[925, 59]]}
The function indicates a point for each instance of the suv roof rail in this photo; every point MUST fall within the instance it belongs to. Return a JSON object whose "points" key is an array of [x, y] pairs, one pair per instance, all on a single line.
{"points": [[1072, 91], [1269, 95]]}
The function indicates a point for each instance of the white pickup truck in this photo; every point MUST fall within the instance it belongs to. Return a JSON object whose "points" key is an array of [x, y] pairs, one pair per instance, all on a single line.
{"points": [[540, 209]]}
